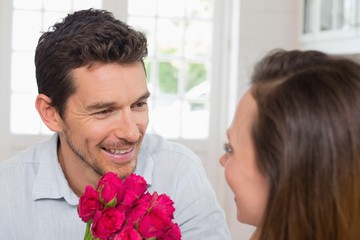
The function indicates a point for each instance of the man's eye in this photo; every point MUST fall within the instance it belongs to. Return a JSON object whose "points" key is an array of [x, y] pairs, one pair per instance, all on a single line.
{"points": [[139, 105], [103, 113], [227, 148]]}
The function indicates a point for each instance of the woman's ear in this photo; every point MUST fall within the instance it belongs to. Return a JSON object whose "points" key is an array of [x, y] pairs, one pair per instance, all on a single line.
{"points": [[48, 113]]}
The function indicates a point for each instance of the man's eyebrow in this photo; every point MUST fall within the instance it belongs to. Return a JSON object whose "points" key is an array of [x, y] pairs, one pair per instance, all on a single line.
{"points": [[99, 105], [102, 105], [144, 96]]}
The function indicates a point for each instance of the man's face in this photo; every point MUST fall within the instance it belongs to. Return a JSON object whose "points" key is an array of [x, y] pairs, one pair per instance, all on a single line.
{"points": [[106, 118]]}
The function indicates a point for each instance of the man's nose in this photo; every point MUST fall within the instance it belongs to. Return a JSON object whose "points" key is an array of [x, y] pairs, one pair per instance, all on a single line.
{"points": [[127, 127]]}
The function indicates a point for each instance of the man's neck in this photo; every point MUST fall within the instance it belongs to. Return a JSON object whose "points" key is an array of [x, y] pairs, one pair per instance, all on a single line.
{"points": [[76, 172]]}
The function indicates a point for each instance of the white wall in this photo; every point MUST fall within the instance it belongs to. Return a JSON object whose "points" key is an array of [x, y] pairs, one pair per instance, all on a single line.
{"points": [[5, 47]]}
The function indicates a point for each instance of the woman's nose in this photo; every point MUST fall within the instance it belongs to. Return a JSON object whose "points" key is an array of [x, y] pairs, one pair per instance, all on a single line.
{"points": [[223, 160]]}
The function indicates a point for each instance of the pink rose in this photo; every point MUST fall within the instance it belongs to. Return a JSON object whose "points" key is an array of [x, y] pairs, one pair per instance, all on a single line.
{"points": [[88, 204], [165, 204], [136, 184], [139, 210], [129, 200], [154, 223], [173, 233], [110, 188], [123, 209], [107, 222], [157, 221], [128, 234]]}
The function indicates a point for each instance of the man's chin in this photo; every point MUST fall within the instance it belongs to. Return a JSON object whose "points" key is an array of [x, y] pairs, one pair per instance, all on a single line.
{"points": [[121, 171]]}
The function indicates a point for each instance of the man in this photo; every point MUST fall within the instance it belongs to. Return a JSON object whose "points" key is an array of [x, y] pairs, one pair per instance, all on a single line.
{"points": [[93, 94]]}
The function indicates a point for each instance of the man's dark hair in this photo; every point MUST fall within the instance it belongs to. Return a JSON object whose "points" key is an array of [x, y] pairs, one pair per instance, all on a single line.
{"points": [[83, 38]]}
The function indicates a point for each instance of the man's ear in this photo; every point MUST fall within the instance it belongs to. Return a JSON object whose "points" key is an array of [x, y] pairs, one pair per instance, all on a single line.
{"points": [[48, 113]]}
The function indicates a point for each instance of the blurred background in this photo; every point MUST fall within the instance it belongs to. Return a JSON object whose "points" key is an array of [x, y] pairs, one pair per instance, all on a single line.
{"points": [[201, 54]]}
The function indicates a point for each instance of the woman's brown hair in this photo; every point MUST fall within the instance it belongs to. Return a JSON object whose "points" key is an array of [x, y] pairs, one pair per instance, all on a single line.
{"points": [[307, 143]]}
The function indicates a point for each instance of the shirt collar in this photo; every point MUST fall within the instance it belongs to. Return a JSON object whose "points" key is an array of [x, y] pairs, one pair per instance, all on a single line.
{"points": [[145, 164], [50, 182]]}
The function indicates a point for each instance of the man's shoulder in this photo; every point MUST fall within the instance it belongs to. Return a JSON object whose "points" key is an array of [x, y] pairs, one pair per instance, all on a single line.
{"points": [[29, 157], [18, 173], [156, 145], [18, 167], [23, 158]]}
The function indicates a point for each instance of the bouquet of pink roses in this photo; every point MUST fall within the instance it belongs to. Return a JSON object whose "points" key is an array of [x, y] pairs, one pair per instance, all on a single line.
{"points": [[123, 209]]}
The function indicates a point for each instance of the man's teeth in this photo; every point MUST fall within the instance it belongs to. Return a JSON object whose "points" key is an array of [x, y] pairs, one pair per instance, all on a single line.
{"points": [[117, 151]]}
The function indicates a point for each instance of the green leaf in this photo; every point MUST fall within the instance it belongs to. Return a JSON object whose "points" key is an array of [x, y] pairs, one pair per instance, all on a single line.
{"points": [[112, 203]]}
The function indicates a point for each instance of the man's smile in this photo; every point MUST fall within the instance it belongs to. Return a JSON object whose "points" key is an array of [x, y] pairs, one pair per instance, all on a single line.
{"points": [[118, 151]]}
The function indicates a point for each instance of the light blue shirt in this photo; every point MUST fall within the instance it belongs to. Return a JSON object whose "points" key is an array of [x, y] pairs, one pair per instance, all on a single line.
{"points": [[36, 201]]}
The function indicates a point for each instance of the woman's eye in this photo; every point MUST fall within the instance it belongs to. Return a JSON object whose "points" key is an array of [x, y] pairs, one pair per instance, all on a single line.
{"points": [[227, 148]]}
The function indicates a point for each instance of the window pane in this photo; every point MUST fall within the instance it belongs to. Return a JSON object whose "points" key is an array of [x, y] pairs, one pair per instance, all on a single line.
{"points": [[24, 118], [85, 4], [195, 122], [179, 36], [199, 9], [307, 16], [195, 116], [26, 29], [345, 13], [142, 7], [165, 116], [56, 5], [171, 8], [28, 4], [169, 37], [23, 72], [195, 74], [168, 77], [198, 39], [326, 15]]}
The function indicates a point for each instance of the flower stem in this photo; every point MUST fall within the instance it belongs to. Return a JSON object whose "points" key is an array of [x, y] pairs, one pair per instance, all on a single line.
{"points": [[88, 235]]}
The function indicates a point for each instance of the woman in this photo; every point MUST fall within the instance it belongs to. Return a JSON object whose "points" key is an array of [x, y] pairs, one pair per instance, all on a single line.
{"points": [[293, 157]]}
